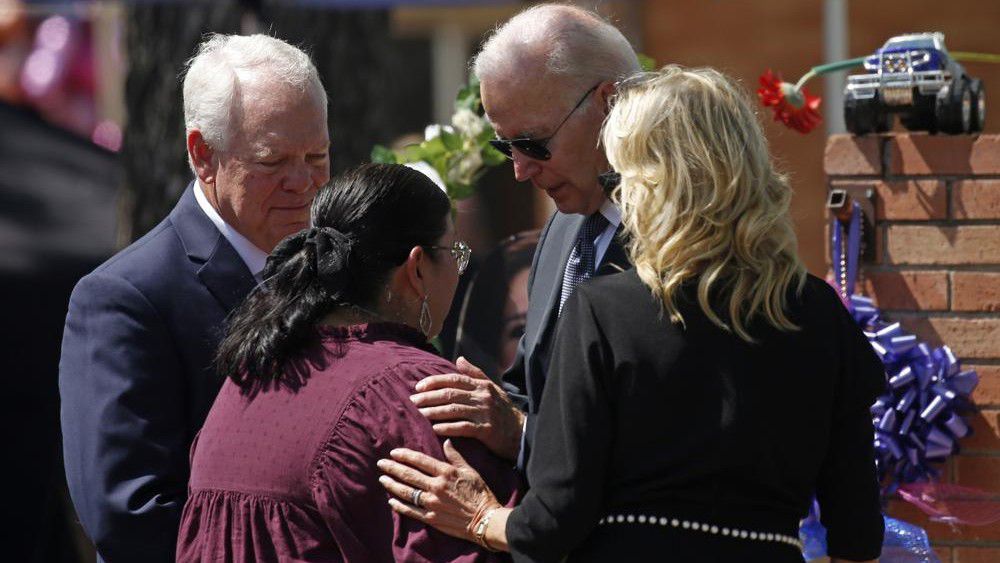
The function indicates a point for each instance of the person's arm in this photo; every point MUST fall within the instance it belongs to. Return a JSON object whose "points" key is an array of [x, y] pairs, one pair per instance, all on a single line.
{"points": [[848, 490], [568, 464], [123, 424]]}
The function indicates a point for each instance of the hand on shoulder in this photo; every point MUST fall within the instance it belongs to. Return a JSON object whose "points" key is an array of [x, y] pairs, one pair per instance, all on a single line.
{"points": [[468, 404]]}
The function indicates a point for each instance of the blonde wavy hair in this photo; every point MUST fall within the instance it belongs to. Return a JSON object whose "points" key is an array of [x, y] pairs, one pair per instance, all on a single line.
{"points": [[700, 197]]}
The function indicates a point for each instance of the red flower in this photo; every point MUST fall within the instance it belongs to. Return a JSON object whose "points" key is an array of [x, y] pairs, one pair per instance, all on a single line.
{"points": [[794, 107]]}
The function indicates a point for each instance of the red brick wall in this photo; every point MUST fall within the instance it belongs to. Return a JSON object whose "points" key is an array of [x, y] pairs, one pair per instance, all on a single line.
{"points": [[937, 270], [746, 38]]}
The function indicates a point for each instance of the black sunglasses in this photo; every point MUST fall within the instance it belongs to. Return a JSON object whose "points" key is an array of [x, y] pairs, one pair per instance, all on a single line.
{"points": [[536, 148]]}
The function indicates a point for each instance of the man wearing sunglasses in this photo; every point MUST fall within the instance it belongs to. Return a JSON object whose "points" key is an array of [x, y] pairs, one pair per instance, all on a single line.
{"points": [[546, 78]]}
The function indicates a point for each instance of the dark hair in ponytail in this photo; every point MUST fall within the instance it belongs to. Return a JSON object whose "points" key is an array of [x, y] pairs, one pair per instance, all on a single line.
{"points": [[364, 224]]}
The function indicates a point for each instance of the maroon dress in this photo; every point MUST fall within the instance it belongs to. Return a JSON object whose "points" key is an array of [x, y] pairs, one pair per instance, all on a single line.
{"points": [[289, 474]]}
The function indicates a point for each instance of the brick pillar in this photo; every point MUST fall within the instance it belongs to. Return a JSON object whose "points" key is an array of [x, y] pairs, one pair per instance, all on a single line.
{"points": [[936, 269]]}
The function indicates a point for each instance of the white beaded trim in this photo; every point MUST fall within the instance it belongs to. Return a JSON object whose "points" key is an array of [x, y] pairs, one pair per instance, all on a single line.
{"points": [[699, 527]]}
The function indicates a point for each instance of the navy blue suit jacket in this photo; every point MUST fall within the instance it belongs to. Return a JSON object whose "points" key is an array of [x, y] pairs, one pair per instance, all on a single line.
{"points": [[136, 382]]}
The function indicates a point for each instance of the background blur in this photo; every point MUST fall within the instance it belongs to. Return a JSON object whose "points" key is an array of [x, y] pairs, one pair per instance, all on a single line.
{"points": [[92, 152]]}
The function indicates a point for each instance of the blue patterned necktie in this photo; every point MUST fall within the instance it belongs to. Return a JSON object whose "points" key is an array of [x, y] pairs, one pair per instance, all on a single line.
{"points": [[582, 260]]}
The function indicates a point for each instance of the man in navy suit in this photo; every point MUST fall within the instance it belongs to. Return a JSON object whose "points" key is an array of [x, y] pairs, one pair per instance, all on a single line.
{"points": [[546, 80], [135, 374]]}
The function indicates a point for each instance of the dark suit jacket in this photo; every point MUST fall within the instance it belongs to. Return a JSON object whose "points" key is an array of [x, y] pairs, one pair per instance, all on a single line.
{"points": [[526, 377], [136, 382]]}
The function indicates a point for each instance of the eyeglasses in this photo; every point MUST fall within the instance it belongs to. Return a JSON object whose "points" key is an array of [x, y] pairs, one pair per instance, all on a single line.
{"points": [[536, 148], [459, 251]]}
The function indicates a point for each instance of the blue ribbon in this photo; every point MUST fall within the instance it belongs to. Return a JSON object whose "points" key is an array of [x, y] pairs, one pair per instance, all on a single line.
{"points": [[920, 418]]}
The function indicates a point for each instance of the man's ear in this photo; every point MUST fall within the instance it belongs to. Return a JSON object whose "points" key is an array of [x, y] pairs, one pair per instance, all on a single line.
{"points": [[203, 157], [414, 275]]}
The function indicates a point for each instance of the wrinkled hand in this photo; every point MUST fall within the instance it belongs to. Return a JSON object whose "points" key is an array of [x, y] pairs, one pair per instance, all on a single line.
{"points": [[468, 404], [454, 496]]}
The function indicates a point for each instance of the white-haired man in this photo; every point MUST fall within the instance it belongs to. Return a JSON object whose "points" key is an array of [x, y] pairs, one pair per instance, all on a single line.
{"points": [[135, 374], [546, 77]]}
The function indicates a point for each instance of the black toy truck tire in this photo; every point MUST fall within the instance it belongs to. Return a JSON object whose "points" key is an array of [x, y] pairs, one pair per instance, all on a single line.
{"points": [[866, 116], [949, 108], [856, 116], [978, 118]]}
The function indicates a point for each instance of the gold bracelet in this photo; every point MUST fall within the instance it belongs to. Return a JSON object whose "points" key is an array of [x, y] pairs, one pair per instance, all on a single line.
{"points": [[480, 531]]}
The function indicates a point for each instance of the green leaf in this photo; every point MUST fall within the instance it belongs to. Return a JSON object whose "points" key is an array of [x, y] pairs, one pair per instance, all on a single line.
{"points": [[647, 63], [468, 96], [452, 141], [465, 91], [412, 153], [432, 148], [383, 155], [440, 163]]}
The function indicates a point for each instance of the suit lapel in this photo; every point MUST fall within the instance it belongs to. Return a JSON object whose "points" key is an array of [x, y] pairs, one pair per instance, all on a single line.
{"points": [[226, 276], [221, 269]]}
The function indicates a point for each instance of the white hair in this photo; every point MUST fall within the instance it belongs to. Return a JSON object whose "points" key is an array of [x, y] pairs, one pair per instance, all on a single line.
{"points": [[573, 42], [224, 64]]}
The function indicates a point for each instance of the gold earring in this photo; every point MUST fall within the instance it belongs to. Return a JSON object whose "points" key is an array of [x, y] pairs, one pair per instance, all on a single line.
{"points": [[425, 317]]}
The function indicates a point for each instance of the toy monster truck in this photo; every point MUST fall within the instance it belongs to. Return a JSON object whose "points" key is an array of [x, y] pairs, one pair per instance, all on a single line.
{"points": [[913, 75]]}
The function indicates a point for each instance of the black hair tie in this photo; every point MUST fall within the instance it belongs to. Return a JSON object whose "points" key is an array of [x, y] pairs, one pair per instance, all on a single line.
{"points": [[330, 253], [327, 253]]}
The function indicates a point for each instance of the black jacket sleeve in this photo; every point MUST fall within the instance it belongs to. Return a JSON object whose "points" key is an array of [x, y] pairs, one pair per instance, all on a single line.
{"points": [[848, 489], [571, 443]]}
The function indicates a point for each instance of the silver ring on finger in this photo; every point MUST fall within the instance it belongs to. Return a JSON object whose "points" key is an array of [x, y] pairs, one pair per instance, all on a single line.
{"points": [[415, 498]]}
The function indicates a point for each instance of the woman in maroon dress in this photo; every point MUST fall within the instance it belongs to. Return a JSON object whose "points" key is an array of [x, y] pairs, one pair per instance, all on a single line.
{"points": [[321, 362]]}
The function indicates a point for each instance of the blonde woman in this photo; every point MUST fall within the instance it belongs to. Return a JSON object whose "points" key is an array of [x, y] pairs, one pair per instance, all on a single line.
{"points": [[698, 402]]}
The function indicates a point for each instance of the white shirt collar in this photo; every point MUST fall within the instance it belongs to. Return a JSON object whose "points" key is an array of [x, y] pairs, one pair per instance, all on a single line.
{"points": [[611, 213], [253, 257]]}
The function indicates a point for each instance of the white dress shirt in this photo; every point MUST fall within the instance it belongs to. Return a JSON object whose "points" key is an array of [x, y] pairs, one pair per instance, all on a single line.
{"points": [[253, 257]]}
